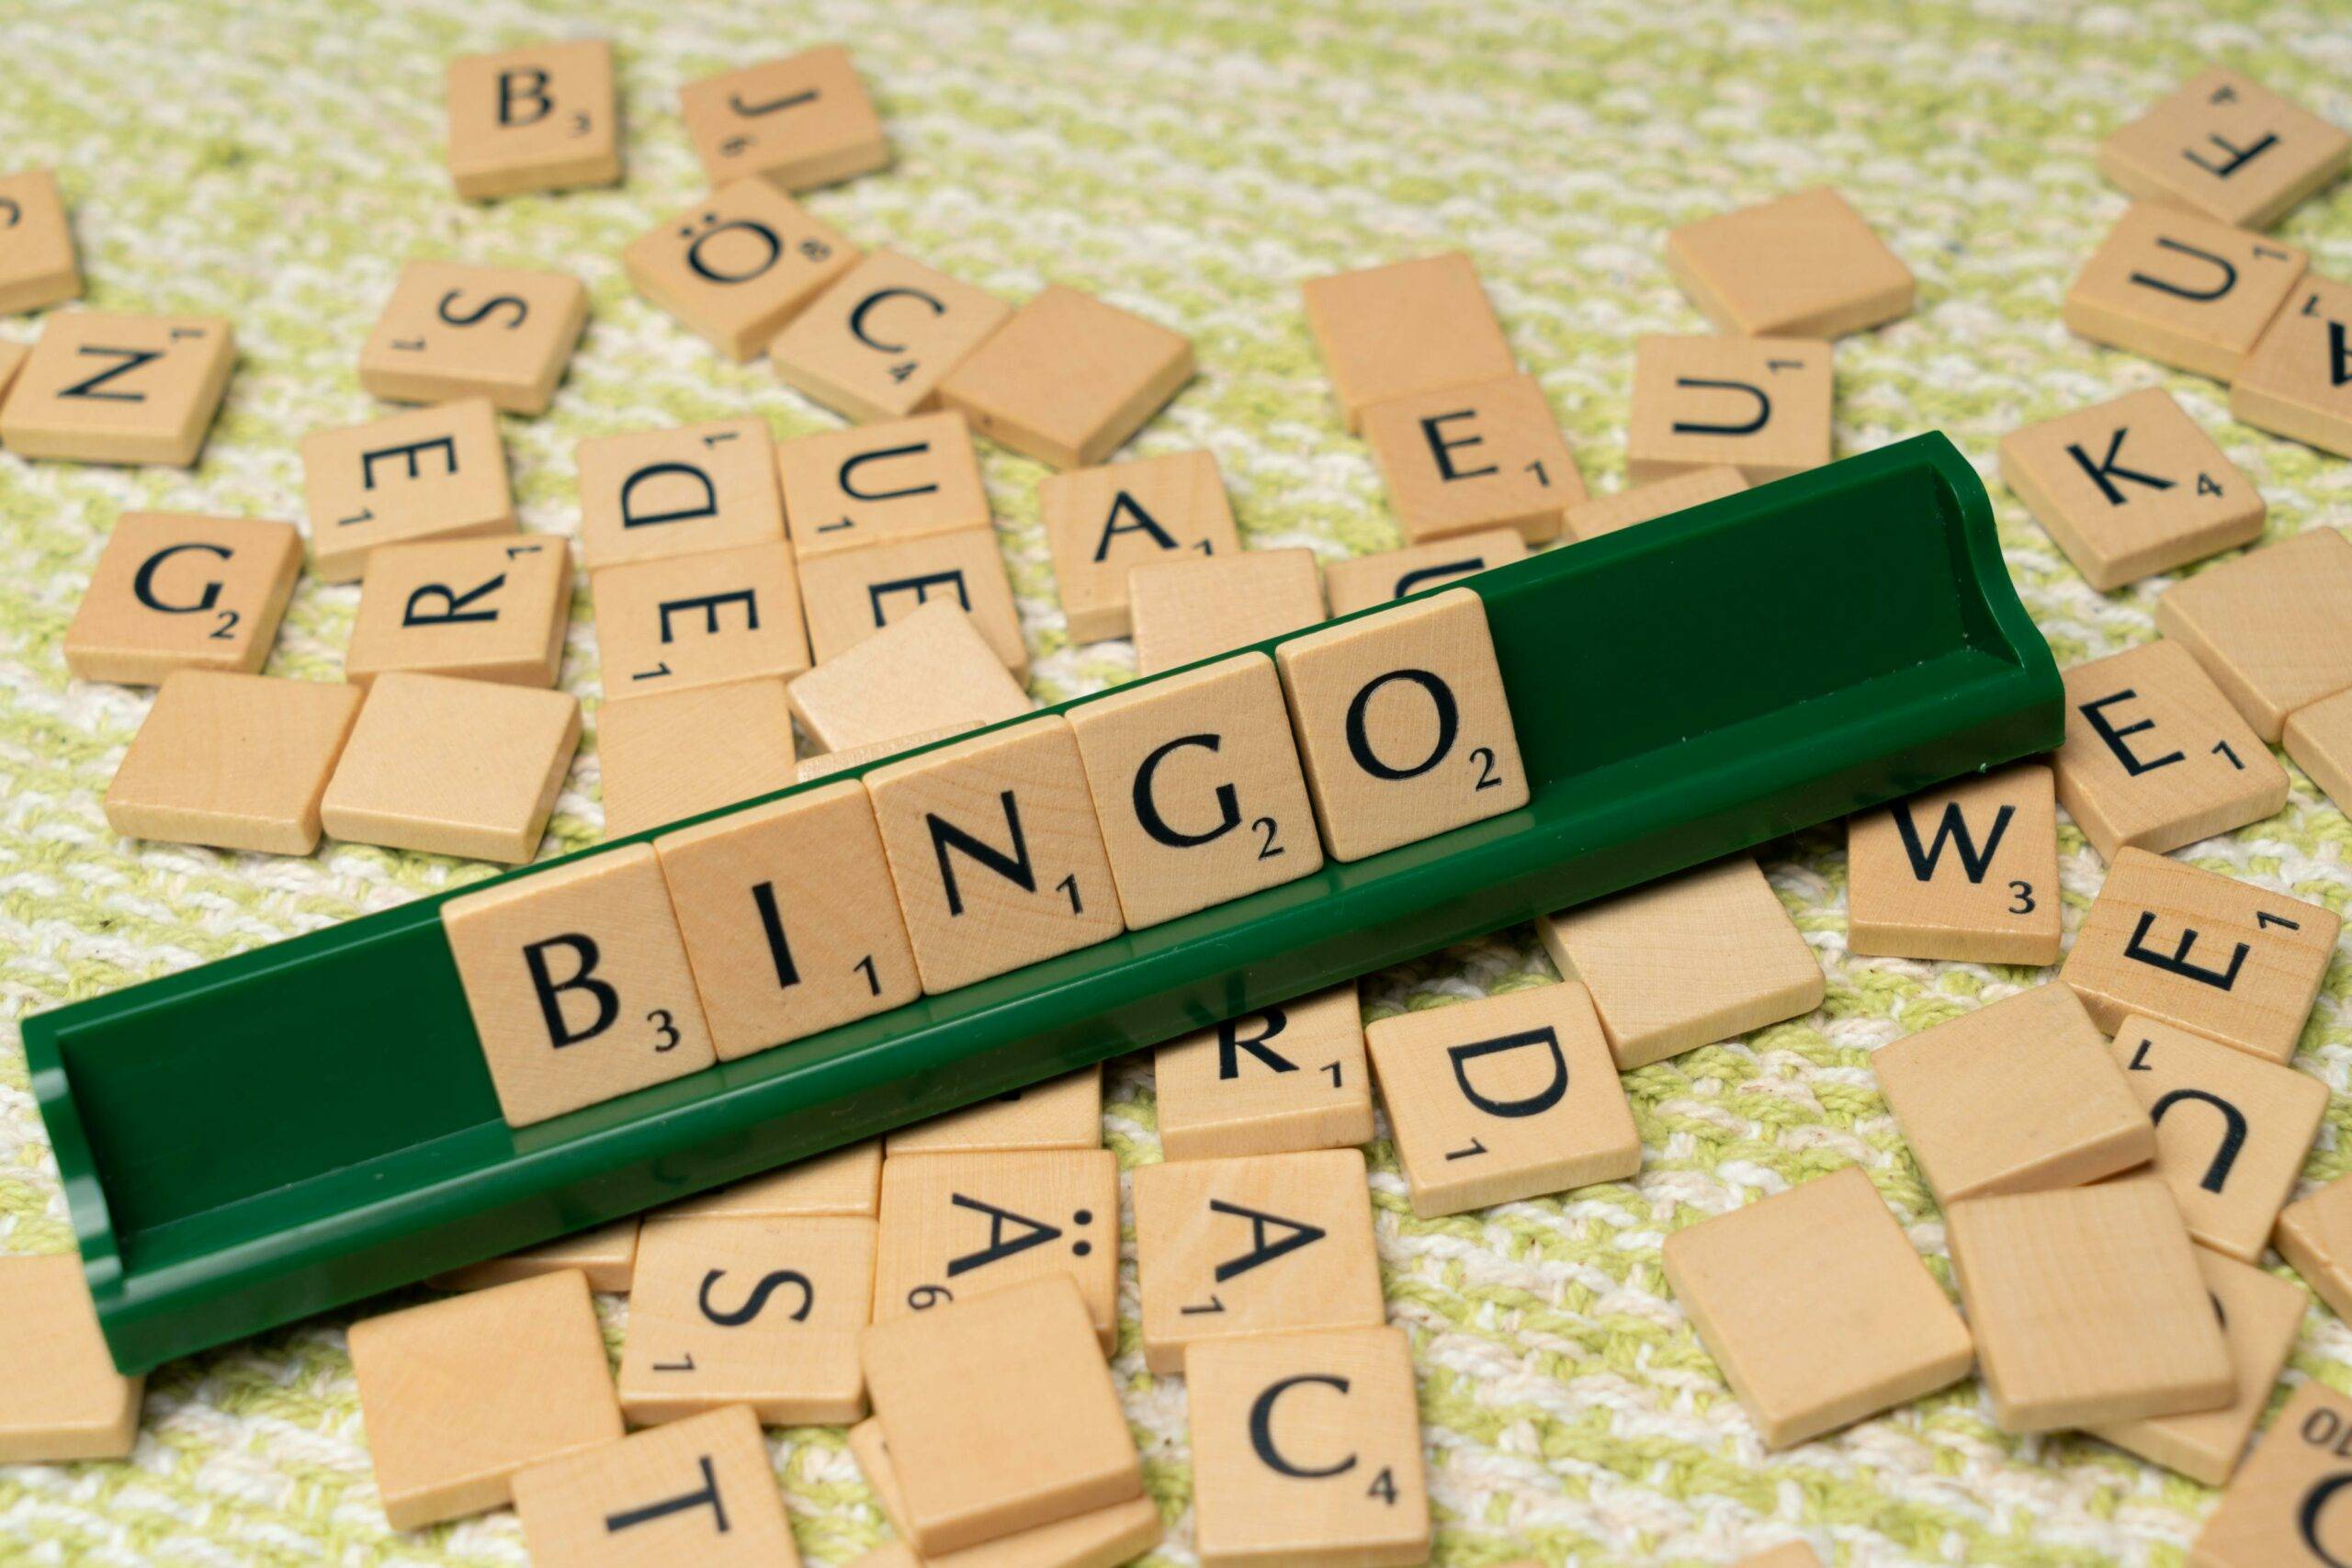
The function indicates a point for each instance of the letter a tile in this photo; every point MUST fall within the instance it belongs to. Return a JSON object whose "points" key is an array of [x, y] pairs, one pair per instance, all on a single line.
{"points": [[1968, 870], [1103, 523], [703, 1490], [960, 1225], [1760, 404], [2183, 290]]}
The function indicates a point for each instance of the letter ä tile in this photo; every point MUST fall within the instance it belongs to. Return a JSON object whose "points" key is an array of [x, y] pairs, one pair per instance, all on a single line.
{"points": [[646, 494], [957, 1225], [432, 473], [701, 1490]]}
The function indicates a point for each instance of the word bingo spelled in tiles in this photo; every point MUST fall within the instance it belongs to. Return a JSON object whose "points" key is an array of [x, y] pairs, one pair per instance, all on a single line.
{"points": [[2276, 1511], [36, 264], [544, 116], [927, 671], [432, 473], [1484, 456], [451, 330], [173, 591], [489, 609], [2319, 737], [1646, 503], [877, 344], [235, 762], [1816, 1308], [2182, 290], [2273, 628], [798, 122], [63, 1398], [1968, 870], [1184, 608], [1061, 1113], [2294, 384], [846, 1182], [1807, 265], [960, 1226], [1760, 404], [1280, 1080], [700, 1490], [653, 493], [1099, 1536], [453, 767], [1101, 523], [1414, 326], [1361, 581], [738, 265], [901, 481], [677, 754], [852, 594], [100, 388], [1068, 377], [696, 620], [2228, 147]]}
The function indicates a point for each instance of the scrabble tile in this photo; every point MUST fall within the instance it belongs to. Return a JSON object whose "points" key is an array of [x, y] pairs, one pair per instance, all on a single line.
{"points": [[703, 1490], [1699, 958], [1802, 265], [12, 359], [927, 670], [647, 494], [1183, 609], [788, 917], [877, 344], [1060, 1113], [999, 1416], [235, 762], [36, 264], [2232, 1130], [544, 116], [100, 387], [1226, 1248], [1760, 404], [1403, 724], [678, 754], [488, 609], [1968, 870], [2225, 146], [2273, 628], [1282, 1079], [852, 594], [738, 265], [2019, 1096], [845, 1181], [995, 851], [2319, 737], [451, 332], [177, 591], [1068, 377], [679, 622], [1101, 523], [1197, 787], [1646, 503], [2294, 383], [2183, 290], [828, 764], [1816, 1308], [1504, 1097], [1484, 456], [2154, 756], [1390, 332], [959, 1226], [606, 1255], [452, 767], [432, 473], [882, 483], [744, 1311], [1307, 1450], [2260, 1316], [583, 955], [2276, 1511], [2121, 512], [459, 1394], [2219, 957], [2087, 1306], [798, 122], [1362, 581], [62, 1399], [1102, 1537], [2314, 1234]]}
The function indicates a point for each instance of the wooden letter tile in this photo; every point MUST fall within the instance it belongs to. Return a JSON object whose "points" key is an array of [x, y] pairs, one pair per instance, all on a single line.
{"points": [[927, 670], [1702, 957], [2319, 737], [2182, 290], [12, 359], [432, 473], [1226, 1248], [845, 1181], [877, 344], [678, 754], [652, 494], [1306, 1451], [1804, 265], [175, 591], [1403, 724], [451, 330], [2293, 384], [1281, 1080], [1644, 502], [1198, 788], [1504, 1097], [1100, 522], [1815, 1306], [62, 1399], [738, 265], [1390, 332], [2225, 146], [2316, 1236], [2276, 1513], [235, 762], [852, 594], [488, 609], [959, 1226], [826, 764], [1102, 1537], [577, 983], [1484, 456], [702, 1491], [544, 116], [1060, 1113], [1184, 609], [109, 389], [458, 1395], [1968, 870], [999, 1416], [452, 767], [1760, 404], [882, 483], [2273, 628], [2219, 957], [606, 1255], [2087, 1306], [2156, 757], [788, 917], [799, 122], [760, 1311], [1364, 580], [1068, 377], [36, 264], [698, 620]]}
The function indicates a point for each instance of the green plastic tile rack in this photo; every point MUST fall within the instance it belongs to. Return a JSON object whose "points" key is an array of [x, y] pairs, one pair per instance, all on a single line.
{"points": [[262, 1138]]}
